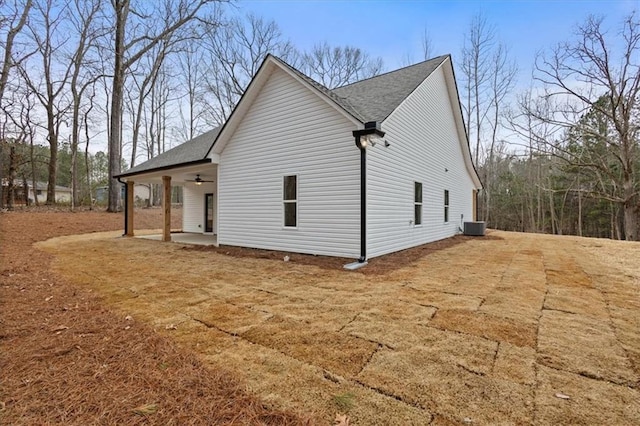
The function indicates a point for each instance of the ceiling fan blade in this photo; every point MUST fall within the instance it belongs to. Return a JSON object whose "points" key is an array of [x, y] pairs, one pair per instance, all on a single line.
{"points": [[199, 180]]}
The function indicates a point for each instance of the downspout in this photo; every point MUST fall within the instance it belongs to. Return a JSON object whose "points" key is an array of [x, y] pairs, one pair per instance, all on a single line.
{"points": [[126, 207], [363, 205], [365, 139]]}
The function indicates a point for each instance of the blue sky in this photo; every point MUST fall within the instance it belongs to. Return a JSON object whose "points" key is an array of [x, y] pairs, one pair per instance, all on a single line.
{"points": [[393, 29]]}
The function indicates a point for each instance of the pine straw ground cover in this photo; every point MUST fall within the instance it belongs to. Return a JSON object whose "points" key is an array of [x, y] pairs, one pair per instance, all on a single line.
{"points": [[507, 329], [67, 358]]}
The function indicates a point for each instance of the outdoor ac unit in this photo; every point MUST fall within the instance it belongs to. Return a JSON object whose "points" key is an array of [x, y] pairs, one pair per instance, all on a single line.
{"points": [[475, 228]]}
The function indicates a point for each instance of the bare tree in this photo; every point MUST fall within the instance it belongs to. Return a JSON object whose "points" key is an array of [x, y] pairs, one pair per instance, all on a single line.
{"points": [[426, 50], [488, 77], [190, 62], [48, 82], [85, 124], [586, 76], [427, 45], [479, 42], [337, 66], [534, 135], [502, 75], [18, 127], [15, 19], [172, 15], [143, 82], [84, 74], [236, 51]]}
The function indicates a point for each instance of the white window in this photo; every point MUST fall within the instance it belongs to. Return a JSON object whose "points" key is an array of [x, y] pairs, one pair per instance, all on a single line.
{"points": [[290, 200], [446, 205], [417, 203]]}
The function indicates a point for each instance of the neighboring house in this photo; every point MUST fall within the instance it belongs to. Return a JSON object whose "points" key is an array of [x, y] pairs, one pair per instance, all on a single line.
{"points": [[285, 172], [141, 193], [39, 193]]}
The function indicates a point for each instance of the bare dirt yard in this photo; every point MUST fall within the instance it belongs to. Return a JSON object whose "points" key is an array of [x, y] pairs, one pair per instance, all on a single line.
{"points": [[505, 329]]}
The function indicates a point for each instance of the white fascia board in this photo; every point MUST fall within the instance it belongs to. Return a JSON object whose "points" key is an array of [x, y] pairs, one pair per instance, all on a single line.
{"points": [[452, 88]]}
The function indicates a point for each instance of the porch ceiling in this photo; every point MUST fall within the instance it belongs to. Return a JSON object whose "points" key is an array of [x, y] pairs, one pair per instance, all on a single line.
{"points": [[179, 175]]}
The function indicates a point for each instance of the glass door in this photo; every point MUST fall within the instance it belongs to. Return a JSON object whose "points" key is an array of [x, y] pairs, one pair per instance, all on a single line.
{"points": [[208, 212]]}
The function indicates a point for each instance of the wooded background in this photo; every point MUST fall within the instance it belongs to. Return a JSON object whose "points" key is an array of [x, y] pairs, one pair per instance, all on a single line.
{"points": [[139, 77]]}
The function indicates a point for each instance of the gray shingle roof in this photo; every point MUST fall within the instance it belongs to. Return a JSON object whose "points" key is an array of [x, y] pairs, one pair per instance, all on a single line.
{"points": [[193, 150], [376, 97], [372, 99]]}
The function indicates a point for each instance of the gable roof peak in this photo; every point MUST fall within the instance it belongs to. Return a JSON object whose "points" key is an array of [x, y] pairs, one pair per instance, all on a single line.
{"points": [[436, 59], [377, 97], [373, 98]]}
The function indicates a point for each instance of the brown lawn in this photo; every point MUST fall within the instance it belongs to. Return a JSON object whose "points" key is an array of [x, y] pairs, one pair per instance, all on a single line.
{"points": [[506, 329], [68, 358]]}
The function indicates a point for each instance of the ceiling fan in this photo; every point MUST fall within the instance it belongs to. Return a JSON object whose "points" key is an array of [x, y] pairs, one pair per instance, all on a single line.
{"points": [[198, 180]]}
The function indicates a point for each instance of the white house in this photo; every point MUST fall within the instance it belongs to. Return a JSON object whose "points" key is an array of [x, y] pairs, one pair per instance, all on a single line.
{"points": [[141, 193], [360, 171], [39, 192]]}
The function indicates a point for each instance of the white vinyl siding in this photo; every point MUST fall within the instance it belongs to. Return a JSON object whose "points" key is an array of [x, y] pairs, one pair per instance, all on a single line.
{"points": [[193, 206], [424, 147], [290, 130]]}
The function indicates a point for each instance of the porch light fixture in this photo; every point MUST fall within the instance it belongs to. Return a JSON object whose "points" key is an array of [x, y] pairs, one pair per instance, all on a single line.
{"points": [[369, 136], [365, 138]]}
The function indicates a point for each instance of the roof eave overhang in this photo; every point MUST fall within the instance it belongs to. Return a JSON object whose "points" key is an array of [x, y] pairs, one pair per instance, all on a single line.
{"points": [[162, 168], [462, 128]]}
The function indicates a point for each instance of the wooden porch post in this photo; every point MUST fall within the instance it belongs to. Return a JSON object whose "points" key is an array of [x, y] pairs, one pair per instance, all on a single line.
{"points": [[129, 204], [166, 208]]}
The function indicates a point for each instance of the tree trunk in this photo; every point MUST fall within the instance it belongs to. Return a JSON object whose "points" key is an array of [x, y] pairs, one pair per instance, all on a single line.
{"points": [[74, 150], [115, 133], [552, 211], [53, 156], [579, 208], [86, 157], [25, 190], [12, 176], [2, 192], [630, 221], [34, 179]]}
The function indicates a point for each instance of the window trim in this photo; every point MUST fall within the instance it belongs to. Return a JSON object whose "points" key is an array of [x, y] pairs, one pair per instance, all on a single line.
{"points": [[417, 203], [446, 206], [285, 201]]}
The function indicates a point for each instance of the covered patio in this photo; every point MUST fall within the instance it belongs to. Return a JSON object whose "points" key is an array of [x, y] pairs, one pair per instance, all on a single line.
{"points": [[188, 165], [185, 238]]}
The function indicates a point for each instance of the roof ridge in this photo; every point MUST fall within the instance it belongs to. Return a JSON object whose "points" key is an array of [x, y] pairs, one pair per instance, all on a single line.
{"points": [[393, 71]]}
